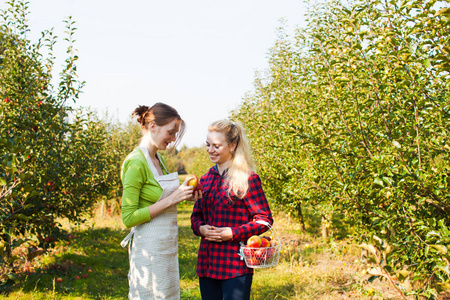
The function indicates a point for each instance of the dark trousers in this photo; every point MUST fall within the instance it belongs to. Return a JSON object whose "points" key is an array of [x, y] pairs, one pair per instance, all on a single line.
{"points": [[237, 288]]}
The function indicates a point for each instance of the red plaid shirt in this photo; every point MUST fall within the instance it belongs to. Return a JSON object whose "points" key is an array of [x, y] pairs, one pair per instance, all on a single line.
{"points": [[221, 260]]}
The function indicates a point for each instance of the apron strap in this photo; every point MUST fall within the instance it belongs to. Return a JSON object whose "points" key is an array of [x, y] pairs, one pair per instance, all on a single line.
{"points": [[127, 239], [149, 160], [161, 163]]}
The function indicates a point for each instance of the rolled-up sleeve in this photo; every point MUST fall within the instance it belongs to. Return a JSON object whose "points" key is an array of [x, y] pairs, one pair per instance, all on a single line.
{"points": [[133, 178]]}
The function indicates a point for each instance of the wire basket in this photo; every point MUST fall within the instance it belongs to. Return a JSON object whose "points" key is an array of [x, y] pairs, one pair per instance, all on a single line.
{"points": [[262, 257]]}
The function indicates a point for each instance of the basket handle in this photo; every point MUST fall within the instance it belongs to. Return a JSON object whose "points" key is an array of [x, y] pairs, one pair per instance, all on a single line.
{"points": [[263, 223], [270, 227]]}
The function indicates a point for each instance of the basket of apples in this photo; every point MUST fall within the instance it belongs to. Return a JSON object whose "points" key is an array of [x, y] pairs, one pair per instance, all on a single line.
{"points": [[261, 251]]}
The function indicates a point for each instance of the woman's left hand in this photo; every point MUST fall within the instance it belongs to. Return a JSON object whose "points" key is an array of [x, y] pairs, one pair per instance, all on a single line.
{"points": [[216, 234], [197, 195], [226, 234]]}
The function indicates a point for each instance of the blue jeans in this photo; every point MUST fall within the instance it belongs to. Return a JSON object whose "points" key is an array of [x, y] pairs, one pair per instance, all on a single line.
{"points": [[237, 288]]}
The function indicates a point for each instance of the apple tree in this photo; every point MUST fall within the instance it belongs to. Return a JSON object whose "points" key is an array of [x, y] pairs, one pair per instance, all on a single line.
{"points": [[54, 160], [352, 119]]}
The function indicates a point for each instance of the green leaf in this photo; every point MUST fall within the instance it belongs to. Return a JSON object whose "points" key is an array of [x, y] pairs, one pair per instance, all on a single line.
{"points": [[445, 285], [440, 248], [369, 248], [403, 274], [12, 276], [396, 144], [444, 11], [22, 217], [426, 63], [28, 206], [375, 271], [378, 181]]}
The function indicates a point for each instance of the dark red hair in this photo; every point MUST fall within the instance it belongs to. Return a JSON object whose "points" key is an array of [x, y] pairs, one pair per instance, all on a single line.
{"points": [[160, 113]]}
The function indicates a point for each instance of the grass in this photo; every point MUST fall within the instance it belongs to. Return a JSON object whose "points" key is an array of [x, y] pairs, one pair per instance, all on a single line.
{"points": [[308, 268]]}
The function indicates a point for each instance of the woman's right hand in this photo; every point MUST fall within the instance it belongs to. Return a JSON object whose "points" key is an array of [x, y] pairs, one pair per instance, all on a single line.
{"points": [[183, 192], [216, 234]]}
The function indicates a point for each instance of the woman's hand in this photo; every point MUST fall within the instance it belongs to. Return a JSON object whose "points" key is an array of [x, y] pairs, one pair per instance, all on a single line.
{"points": [[195, 195], [183, 192], [216, 234]]}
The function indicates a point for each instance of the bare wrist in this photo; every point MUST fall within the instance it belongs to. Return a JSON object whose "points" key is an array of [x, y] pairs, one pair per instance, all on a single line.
{"points": [[172, 200]]}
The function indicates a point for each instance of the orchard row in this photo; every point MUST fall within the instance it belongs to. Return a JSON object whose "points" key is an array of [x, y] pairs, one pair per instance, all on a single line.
{"points": [[55, 161], [352, 121]]}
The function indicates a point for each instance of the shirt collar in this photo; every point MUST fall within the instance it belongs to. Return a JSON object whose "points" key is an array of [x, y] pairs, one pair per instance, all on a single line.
{"points": [[216, 171]]}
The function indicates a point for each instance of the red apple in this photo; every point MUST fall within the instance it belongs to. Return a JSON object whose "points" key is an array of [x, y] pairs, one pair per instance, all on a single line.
{"points": [[199, 187], [58, 279], [193, 181], [267, 238], [270, 252], [253, 261], [265, 242], [254, 241], [260, 253], [248, 252]]}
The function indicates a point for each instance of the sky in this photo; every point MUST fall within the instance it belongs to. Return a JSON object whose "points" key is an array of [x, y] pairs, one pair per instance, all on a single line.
{"points": [[199, 56]]}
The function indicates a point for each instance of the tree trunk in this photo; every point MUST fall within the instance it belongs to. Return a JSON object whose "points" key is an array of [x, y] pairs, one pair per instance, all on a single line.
{"points": [[325, 231], [102, 208], [300, 216]]}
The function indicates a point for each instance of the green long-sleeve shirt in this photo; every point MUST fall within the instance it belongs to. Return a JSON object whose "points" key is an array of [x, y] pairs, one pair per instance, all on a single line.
{"points": [[140, 189]]}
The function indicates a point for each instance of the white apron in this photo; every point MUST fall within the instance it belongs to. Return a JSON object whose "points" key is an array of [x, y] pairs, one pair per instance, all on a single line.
{"points": [[153, 248]]}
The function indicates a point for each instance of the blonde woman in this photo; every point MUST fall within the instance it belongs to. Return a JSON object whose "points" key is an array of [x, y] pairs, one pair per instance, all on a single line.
{"points": [[233, 199], [150, 196]]}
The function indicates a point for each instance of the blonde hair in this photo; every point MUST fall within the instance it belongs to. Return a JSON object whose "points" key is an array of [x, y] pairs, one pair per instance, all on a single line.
{"points": [[241, 162]]}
